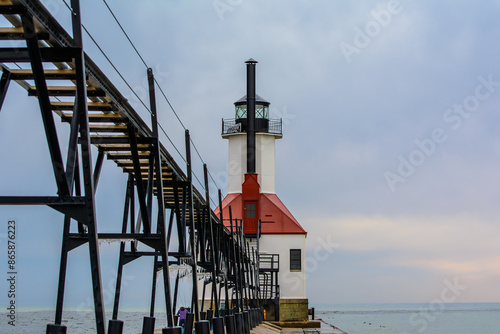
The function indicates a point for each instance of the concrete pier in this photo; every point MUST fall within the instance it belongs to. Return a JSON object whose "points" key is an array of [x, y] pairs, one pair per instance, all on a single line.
{"points": [[270, 327], [273, 328]]}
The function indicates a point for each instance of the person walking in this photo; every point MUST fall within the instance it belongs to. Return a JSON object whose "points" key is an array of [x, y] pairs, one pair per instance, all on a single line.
{"points": [[182, 316]]}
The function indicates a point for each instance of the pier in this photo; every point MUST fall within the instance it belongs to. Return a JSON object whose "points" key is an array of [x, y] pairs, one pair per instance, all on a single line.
{"points": [[273, 328], [161, 203]]}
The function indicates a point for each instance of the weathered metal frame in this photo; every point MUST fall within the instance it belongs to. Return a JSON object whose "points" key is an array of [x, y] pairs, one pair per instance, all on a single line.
{"points": [[211, 245]]}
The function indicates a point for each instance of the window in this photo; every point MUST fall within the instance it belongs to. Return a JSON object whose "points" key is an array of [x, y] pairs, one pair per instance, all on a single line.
{"points": [[261, 111], [241, 111], [295, 260], [250, 210]]}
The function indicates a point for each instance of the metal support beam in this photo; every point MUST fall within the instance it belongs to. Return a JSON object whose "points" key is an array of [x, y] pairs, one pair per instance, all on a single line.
{"points": [[212, 241], [98, 168], [71, 160], [62, 271], [121, 261], [138, 180], [192, 226], [153, 288], [225, 250], [4, 86], [235, 260], [178, 217], [88, 179], [23, 55], [45, 106], [161, 228]]}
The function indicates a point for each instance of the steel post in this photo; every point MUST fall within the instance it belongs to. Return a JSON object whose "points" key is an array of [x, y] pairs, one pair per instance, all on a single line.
{"points": [[218, 325], [115, 326], [188, 326], [231, 324], [148, 325], [202, 327], [192, 225], [88, 179]]}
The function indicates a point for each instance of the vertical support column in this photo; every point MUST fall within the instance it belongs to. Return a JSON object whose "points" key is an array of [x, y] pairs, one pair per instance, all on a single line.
{"points": [[91, 221], [240, 327], [178, 217], [202, 313], [188, 326], [241, 259], [250, 266], [231, 324], [246, 322], [212, 240], [141, 196], [257, 277], [202, 327], [133, 243], [218, 325], [153, 288], [98, 167], [62, 272], [148, 323], [201, 228], [176, 289], [72, 149], [71, 167], [169, 232], [161, 228], [226, 252], [115, 325], [235, 266], [4, 86], [192, 226], [126, 207]]}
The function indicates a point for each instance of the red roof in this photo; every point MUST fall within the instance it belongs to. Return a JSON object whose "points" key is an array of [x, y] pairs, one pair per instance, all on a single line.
{"points": [[275, 217]]}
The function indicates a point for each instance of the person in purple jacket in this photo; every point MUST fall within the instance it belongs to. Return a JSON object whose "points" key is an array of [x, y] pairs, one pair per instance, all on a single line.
{"points": [[182, 316]]}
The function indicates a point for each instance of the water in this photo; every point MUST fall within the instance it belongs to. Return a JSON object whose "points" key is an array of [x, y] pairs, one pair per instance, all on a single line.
{"points": [[77, 322], [481, 318], [465, 318]]}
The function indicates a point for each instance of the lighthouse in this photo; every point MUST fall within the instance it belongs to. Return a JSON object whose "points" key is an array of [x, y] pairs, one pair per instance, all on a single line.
{"points": [[267, 222]]}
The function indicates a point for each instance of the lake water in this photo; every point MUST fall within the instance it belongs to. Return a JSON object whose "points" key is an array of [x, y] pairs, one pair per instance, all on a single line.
{"points": [[463, 318], [480, 318], [77, 322]]}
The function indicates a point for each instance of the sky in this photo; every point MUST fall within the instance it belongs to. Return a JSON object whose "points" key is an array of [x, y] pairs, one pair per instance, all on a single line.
{"points": [[390, 145]]}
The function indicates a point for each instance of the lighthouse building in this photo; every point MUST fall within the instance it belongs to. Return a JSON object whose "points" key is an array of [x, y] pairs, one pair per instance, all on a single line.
{"points": [[267, 223]]}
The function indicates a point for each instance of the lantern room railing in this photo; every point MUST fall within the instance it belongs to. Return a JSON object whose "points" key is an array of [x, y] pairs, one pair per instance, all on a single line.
{"points": [[229, 126]]}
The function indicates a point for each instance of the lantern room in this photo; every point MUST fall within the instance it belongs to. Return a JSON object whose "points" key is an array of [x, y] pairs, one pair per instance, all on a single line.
{"points": [[261, 114]]}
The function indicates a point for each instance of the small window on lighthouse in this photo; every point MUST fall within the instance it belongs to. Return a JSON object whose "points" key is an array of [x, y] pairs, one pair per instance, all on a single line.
{"points": [[261, 111], [250, 210], [295, 260], [241, 111]]}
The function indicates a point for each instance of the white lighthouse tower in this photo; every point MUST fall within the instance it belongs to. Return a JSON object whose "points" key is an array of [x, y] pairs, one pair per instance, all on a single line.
{"points": [[252, 196]]}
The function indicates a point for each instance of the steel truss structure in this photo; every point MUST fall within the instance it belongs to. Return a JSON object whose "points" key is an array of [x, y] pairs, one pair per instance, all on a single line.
{"points": [[98, 115]]}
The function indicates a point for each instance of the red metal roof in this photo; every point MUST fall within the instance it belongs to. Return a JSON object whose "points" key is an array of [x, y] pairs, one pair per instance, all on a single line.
{"points": [[275, 217]]}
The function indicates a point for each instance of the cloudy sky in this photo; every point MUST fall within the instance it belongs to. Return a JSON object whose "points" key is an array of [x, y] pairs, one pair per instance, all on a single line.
{"points": [[389, 156]]}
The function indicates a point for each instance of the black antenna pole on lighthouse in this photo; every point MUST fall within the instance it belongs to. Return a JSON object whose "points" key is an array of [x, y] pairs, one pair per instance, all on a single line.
{"points": [[251, 115]]}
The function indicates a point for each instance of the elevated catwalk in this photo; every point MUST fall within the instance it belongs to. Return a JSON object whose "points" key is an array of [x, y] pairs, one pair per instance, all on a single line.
{"points": [[51, 65]]}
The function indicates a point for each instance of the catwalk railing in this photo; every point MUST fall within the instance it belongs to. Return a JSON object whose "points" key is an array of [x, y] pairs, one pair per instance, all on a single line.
{"points": [[232, 126], [98, 115]]}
